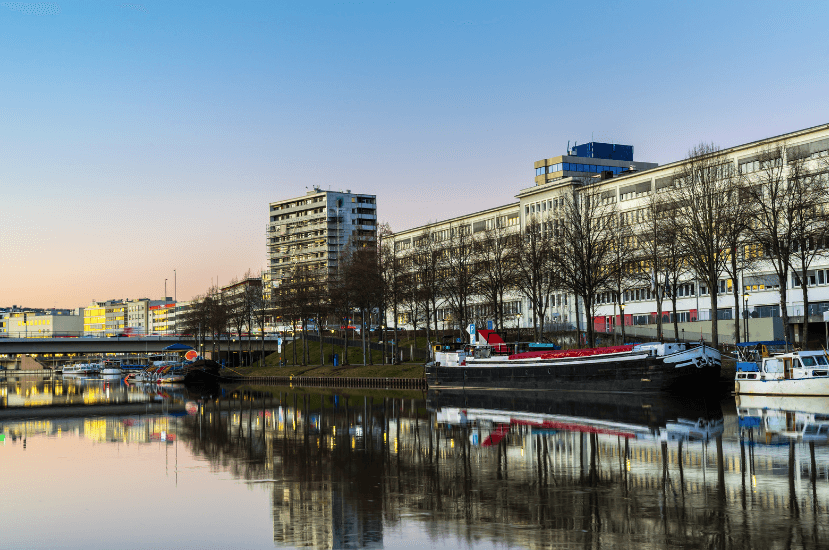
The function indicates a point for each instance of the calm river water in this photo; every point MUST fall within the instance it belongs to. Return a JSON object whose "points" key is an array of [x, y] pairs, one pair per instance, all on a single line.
{"points": [[98, 464]]}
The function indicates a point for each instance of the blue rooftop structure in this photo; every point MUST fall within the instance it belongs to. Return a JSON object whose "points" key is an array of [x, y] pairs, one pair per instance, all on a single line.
{"points": [[611, 151]]}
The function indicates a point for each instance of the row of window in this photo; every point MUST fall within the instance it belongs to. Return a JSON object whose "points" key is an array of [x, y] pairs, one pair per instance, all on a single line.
{"points": [[35, 323], [752, 166], [813, 278], [543, 206], [480, 311], [723, 314], [724, 286], [295, 204], [575, 167], [633, 195]]}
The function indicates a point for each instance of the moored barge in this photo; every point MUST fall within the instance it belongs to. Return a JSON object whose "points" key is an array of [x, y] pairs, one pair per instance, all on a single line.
{"points": [[646, 367]]}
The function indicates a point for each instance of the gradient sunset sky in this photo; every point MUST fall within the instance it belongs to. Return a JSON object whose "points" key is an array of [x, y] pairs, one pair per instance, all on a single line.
{"points": [[142, 138]]}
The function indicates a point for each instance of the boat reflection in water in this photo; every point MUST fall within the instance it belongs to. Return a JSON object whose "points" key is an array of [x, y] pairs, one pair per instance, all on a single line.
{"points": [[783, 419], [520, 469], [528, 469]]}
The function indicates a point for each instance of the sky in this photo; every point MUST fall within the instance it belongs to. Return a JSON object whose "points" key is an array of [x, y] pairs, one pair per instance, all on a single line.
{"points": [[142, 142]]}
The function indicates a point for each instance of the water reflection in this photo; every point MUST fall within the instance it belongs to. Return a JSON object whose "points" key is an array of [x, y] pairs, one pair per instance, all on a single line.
{"points": [[531, 470], [524, 469]]}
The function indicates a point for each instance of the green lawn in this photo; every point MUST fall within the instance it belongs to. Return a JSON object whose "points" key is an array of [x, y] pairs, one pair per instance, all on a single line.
{"points": [[354, 368]]}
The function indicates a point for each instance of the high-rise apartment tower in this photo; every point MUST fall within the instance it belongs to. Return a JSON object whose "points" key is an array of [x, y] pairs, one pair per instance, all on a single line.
{"points": [[314, 230]]}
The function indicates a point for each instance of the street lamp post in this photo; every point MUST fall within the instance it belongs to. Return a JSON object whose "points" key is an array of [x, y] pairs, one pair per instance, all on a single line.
{"points": [[518, 326], [745, 315]]}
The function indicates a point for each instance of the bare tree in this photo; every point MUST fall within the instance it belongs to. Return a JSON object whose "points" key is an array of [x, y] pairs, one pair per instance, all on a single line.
{"points": [[425, 259], [363, 275], [531, 257], [809, 195], [624, 262], [252, 296], [393, 282], [674, 267], [705, 187], [648, 267], [261, 312], [764, 182], [496, 269], [458, 266], [740, 257], [585, 249], [342, 300]]}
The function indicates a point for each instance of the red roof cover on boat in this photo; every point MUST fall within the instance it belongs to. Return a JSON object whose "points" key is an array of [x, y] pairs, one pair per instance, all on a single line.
{"points": [[490, 336], [494, 339], [570, 352]]}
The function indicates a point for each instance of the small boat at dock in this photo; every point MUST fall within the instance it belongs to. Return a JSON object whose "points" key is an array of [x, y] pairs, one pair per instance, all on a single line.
{"points": [[110, 367], [760, 371], [82, 368]]}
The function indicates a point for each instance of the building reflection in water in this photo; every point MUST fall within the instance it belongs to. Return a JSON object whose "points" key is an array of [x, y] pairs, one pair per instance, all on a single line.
{"points": [[55, 406], [524, 470]]}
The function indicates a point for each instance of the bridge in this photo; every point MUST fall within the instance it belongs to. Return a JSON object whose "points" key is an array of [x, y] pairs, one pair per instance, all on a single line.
{"points": [[55, 349]]}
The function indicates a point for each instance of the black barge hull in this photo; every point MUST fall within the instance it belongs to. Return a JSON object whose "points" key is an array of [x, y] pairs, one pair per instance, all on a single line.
{"points": [[645, 375]]}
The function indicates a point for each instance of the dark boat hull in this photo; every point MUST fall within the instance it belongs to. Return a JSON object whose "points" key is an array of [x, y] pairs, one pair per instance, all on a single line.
{"points": [[654, 410], [202, 372], [644, 375]]}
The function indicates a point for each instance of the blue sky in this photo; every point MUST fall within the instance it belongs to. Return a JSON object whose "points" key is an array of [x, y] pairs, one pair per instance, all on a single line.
{"points": [[138, 138]]}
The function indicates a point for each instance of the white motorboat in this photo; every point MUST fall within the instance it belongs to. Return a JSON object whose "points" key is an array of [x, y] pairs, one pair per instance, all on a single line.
{"points": [[795, 373], [111, 366], [82, 368]]}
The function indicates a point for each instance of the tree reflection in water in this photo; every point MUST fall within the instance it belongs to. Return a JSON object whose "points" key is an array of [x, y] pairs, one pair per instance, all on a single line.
{"points": [[346, 468]]}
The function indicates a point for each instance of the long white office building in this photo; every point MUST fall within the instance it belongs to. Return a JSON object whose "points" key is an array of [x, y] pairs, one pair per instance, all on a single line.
{"points": [[611, 174]]}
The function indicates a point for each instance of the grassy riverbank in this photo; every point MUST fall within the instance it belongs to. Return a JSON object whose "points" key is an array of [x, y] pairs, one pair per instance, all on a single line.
{"points": [[283, 364], [405, 370]]}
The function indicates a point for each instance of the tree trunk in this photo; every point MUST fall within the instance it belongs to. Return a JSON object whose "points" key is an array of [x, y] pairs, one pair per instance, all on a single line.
{"points": [[714, 332], [578, 321], [659, 297], [394, 345], [304, 343], [591, 336], [736, 291], [364, 330], [294, 339], [673, 306], [784, 311], [345, 345], [319, 331], [804, 286], [427, 338]]}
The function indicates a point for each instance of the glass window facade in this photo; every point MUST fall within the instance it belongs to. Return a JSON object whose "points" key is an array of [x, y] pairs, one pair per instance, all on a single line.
{"points": [[575, 167]]}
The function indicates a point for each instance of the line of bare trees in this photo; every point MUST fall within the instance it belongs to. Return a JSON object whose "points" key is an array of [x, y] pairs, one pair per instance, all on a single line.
{"points": [[226, 317], [323, 296], [707, 220]]}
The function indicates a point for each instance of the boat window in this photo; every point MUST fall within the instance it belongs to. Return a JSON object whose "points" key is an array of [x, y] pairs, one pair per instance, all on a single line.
{"points": [[808, 361], [773, 365], [819, 373], [821, 360]]}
